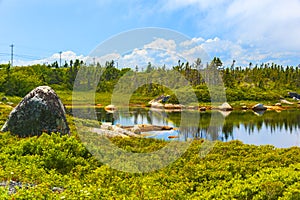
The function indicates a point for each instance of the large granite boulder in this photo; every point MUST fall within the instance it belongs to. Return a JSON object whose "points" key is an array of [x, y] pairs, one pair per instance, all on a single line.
{"points": [[40, 111]]}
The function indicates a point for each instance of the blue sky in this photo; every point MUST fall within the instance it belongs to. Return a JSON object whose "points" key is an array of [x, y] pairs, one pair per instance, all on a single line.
{"points": [[245, 30]]}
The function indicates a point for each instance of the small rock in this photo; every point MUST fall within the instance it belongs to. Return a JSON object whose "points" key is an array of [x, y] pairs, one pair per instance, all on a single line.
{"points": [[244, 107], [192, 107], [156, 105], [136, 129], [10, 103], [57, 189], [166, 128], [110, 108], [169, 106], [202, 108], [4, 99]]}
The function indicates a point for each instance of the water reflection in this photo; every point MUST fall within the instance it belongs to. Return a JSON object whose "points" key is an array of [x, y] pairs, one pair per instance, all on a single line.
{"points": [[270, 127]]}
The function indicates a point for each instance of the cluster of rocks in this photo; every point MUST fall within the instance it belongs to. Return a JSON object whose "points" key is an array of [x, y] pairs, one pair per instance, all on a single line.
{"points": [[146, 128], [109, 130], [39, 111], [14, 186]]}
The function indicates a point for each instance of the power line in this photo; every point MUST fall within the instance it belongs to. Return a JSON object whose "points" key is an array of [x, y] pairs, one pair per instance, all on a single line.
{"points": [[30, 57], [4, 54]]}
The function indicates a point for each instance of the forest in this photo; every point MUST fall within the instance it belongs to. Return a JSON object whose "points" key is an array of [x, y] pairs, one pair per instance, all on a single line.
{"points": [[260, 82]]}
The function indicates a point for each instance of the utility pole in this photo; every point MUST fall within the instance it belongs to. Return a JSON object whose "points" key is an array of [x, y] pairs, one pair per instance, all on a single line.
{"points": [[60, 59], [12, 55]]}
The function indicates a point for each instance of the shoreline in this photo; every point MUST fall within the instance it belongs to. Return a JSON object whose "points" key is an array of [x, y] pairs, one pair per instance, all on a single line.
{"points": [[195, 108]]}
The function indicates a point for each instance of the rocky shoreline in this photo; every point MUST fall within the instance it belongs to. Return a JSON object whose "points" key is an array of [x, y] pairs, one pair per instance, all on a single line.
{"points": [[109, 130]]}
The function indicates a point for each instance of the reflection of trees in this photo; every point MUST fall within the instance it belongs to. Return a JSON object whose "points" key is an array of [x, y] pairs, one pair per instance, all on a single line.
{"points": [[227, 130], [285, 120], [204, 124]]}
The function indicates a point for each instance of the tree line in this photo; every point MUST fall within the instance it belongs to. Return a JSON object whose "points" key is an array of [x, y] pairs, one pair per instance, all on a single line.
{"points": [[265, 81]]}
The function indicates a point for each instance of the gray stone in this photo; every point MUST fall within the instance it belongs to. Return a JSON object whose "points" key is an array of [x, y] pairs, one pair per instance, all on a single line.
{"points": [[10, 103], [294, 94], [41, 110], [225, 106], [136, 129], [244, 107], [4, 99], [259, 107], [58, 189]]}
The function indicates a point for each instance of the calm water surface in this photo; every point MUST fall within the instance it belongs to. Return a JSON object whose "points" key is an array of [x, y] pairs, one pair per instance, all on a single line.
{"points": [[281, 129]]}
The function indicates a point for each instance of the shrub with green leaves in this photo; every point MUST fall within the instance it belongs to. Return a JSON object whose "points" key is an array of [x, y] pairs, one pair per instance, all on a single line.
{"points": [[232, 170]]}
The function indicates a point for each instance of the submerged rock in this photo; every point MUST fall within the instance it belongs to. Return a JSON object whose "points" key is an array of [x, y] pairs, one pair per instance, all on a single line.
{"points": [[41, 110]]}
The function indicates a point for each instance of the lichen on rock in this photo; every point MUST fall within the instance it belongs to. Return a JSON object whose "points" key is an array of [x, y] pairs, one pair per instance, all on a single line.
{"points": [[40, 111]]}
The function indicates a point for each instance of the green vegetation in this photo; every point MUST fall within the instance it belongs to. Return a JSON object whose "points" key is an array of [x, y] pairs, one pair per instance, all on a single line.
{"points": [[232, 170], [265, 82]]}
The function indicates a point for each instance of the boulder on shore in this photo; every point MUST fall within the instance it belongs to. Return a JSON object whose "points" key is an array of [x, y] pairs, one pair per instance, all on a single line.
{"points": [[40, 111], [259, 107], [110, 108], [225, 106]]}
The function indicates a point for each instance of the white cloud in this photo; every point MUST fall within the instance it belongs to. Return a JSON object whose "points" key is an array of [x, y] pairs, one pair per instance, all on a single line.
{"points": [[103, 59], [160, 43], [201, 4], [263, 24], [65, 56], [273, 23], [138, 57], [193, 41], [161, 51]]}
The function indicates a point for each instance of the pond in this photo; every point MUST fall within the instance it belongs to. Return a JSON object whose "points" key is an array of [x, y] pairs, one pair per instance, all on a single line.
{"points": [[281, 129]]}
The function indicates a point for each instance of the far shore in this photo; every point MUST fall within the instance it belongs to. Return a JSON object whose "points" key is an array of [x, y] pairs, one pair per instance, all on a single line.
{"points": [[201, 107], [207, 107]]}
